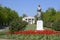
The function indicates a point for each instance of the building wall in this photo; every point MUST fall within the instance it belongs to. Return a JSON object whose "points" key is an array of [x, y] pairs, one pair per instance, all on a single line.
{"points": [[30, 20]]}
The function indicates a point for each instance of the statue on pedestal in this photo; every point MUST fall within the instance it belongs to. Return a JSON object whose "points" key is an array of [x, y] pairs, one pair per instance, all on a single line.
{"points": [[39, 21]]}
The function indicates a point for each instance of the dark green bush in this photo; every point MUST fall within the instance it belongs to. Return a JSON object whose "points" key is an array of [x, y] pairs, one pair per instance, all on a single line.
{"points": [[47, 24], [56, 26], [17, 25]]}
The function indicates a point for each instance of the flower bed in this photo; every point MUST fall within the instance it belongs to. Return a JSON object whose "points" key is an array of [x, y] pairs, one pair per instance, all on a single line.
{"points": [[36, 32]]}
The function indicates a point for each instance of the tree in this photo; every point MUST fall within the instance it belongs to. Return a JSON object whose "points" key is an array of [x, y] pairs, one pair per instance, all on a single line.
{"points": [[57, 16], [36, 18], [24, 15], [48, 17], [7, 15]]}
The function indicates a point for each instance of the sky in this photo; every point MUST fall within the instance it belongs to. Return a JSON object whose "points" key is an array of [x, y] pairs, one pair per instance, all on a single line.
{"points": [[29, 7]]}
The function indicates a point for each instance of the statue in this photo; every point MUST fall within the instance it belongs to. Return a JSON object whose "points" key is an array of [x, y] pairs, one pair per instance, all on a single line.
{"points": [[39, 21], [39, 12]]}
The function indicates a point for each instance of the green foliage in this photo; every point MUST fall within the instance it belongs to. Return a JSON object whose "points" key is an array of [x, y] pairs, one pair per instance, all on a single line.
{"points": [[56, 26], [36, 18], [7, 15], [49, 17], [57, 16], [17, 25]]}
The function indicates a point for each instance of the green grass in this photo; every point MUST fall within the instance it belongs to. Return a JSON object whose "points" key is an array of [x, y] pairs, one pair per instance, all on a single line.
{"points": [[32, 37], [31, 27]]}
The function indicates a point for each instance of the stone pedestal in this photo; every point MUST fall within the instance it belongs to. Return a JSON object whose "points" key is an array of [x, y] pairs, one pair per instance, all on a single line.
{"points": [[39, 25]]}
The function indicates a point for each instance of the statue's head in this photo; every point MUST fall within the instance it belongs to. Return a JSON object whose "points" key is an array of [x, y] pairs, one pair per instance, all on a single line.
{"points": [[38, 5], [39, 8]]}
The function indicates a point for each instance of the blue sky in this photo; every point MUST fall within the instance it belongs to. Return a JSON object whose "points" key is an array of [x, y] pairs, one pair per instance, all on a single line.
{"points": [[29, 7]]}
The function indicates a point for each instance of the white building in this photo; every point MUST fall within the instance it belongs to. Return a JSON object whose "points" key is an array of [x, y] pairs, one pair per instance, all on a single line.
{"points": [[29, 19]]}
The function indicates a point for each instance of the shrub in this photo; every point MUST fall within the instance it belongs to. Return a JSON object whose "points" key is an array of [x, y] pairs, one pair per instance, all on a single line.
{"points": [[56, 26], [47, 24], [17, 25]]}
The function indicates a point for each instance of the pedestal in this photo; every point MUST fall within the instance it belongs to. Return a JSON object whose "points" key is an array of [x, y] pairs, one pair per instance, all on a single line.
{"points": [[39, 25]]}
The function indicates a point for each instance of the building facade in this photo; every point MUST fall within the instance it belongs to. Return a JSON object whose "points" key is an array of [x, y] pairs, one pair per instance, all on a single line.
{"points": [[29, 19]]}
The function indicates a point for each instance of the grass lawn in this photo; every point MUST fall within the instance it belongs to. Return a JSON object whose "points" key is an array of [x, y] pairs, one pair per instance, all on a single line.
{"points": [[31, 37], [33, 27]]}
